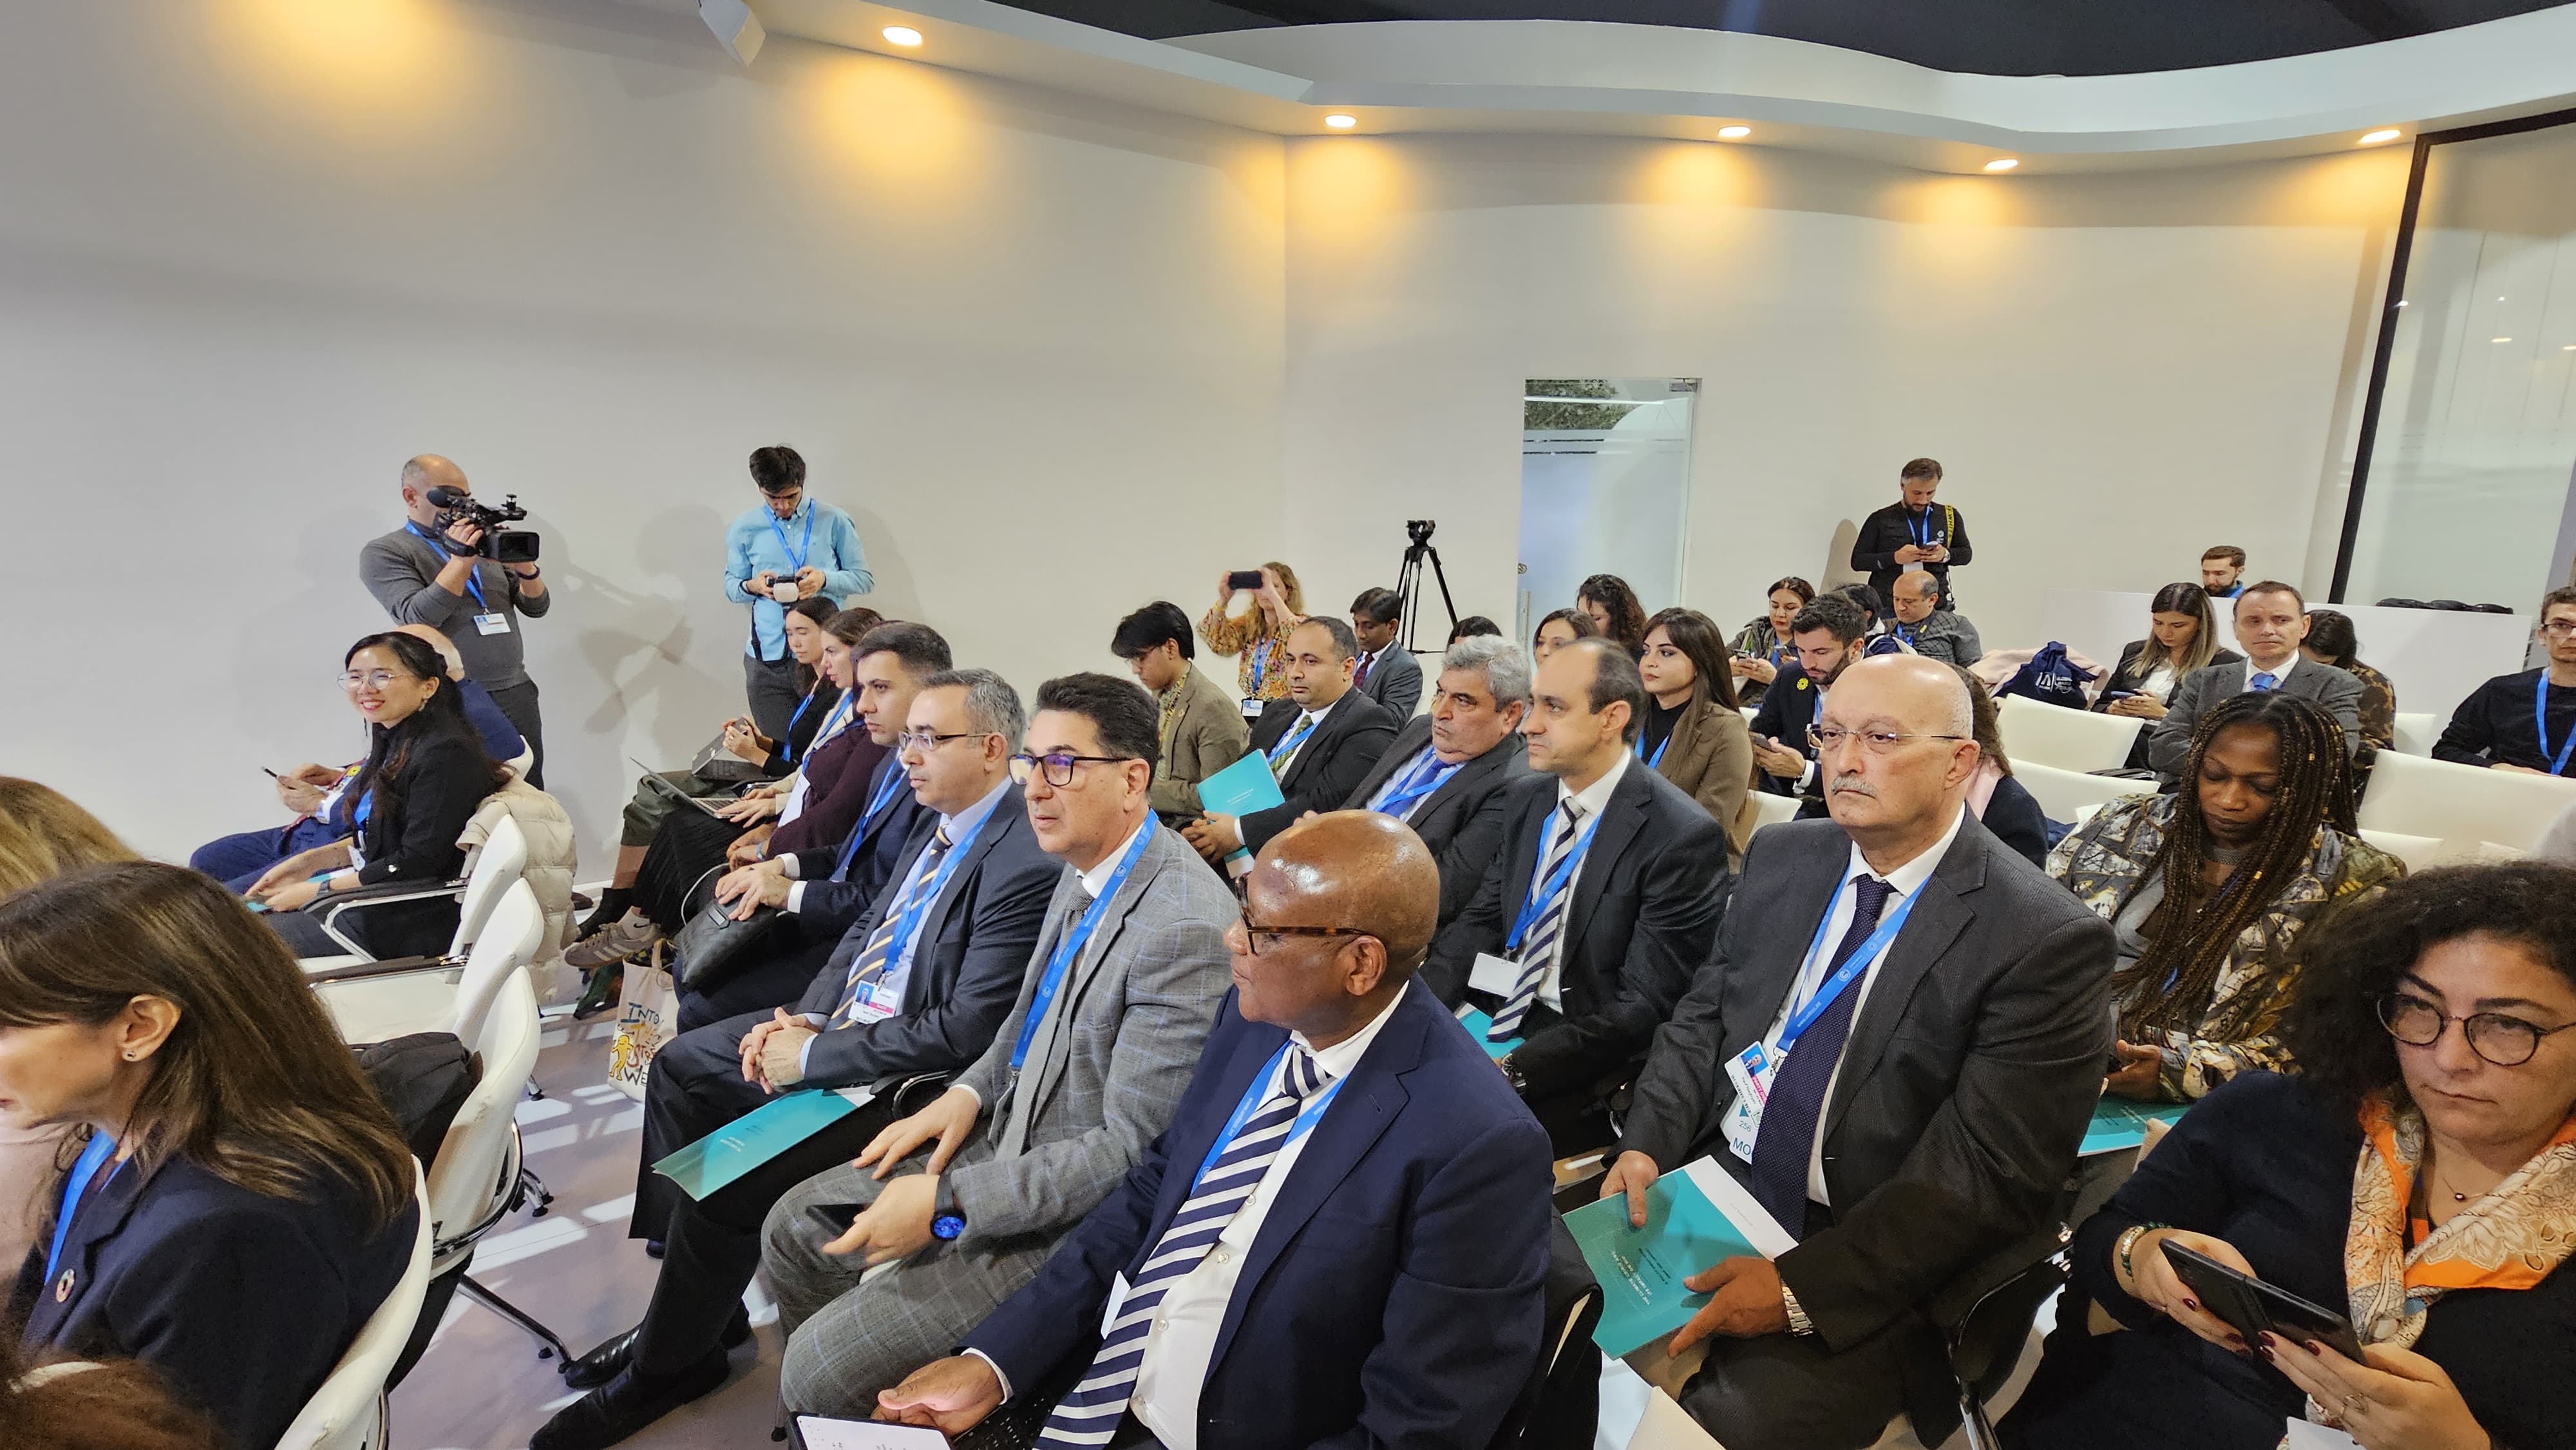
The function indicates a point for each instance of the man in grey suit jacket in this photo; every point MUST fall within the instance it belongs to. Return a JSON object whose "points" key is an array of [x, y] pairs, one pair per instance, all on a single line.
{"points": [[1387, 671], [1121, 992], [1950, 1004], [1445, 773], [2271, 619]]}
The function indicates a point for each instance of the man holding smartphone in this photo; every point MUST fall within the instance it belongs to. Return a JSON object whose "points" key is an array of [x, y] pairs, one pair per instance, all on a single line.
{"points": [[788, 548]]}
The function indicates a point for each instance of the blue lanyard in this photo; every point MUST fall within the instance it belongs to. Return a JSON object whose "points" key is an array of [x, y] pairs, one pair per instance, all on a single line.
{"points": [[2540, 722], [367, 806], [795, 557], [876, 808], [1424, 777], [910, 922], [1289, 744], [1260, 666], [1540, 895], [1853, 966], [1920, 530], [786, 745], [1904, 632], [1252, 1097], [84, 1169], [1074, 941], [1657, 759], [473, 571]]}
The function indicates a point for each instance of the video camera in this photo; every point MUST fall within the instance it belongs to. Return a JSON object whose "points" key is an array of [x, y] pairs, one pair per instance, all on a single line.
{"points": [[501, 545]]}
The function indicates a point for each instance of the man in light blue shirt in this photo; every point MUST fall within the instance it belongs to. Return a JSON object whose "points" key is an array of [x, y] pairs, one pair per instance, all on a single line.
{"points": [[787, 549]]}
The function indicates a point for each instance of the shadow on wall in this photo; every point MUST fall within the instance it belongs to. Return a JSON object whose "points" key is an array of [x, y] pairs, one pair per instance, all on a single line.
{"points": [[626, 625], [1838, 570]]}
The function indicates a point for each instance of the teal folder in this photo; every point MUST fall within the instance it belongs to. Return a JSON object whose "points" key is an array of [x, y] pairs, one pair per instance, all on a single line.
{"points": [[1477, 1025], [2119, 1123], [1641, 1269], [756, 1137], [1241, 788]]}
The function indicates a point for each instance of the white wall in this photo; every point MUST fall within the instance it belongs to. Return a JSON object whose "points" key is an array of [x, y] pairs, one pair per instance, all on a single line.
{"points": [[2116, 371], [254, 253]]}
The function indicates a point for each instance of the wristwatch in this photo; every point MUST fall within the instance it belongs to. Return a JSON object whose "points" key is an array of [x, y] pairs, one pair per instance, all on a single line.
{"points": [[1799, 1323], [1513, 1075], [945, 1220]]}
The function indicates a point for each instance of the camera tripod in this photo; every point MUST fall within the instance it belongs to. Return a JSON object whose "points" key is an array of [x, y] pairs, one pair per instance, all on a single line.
{"points": [[1408, 581]]}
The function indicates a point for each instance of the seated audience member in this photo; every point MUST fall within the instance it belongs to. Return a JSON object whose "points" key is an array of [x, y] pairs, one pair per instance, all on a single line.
{"points": [[1762, 646], [1258, 639], [501, 739], [1691, 733], [659, 794], [2000, 803], [1827, 637], [1410, 1314], [1322, 740], [1557, 629], [1957, 997], [1203, 729], [1912, 535], [1612, 606], [2271, 619], [2213, 892], [2222, 571], [243, 1201], [1876, 637], [1600, 904], [2526, 721], [917, 987], [2417, 1177], [1472, 625], [1447, 774], [425, 775], [1387, 672], [2182, 636], [84, 1405], [1927, 631], [2330, 641], [1081, 1078]]}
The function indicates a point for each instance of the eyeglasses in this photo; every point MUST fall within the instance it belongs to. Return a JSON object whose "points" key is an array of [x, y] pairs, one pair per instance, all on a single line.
{"points": [[927, 741], [1252, 934], [1059, 766], [1876, 742], [2559, 628], [2502, 1040], [356, 680]]}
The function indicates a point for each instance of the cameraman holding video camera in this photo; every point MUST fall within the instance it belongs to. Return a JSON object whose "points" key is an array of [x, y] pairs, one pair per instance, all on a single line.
{"points": [[438, 569]]}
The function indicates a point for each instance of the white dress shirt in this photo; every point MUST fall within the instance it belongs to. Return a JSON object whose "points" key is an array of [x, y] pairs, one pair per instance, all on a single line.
{"points": [[1094, 881], [1439, 773], [1281, 766], [1807, 777], [1903, 882], [1594, 799]]}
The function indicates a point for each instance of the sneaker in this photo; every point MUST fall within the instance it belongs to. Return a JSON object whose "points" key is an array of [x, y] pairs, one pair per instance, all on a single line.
{"points": [[625, 939]]}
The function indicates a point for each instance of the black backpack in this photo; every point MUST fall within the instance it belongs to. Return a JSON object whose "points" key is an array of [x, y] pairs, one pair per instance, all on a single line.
{"points": [[424, 1080]]}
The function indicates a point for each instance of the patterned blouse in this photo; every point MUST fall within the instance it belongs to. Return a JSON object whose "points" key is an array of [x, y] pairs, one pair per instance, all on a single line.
{"points": [[2378, 706], [1261, 664], [2104, 862]]}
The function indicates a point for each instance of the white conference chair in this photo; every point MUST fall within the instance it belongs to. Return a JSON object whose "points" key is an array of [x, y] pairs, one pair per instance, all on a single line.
{"points": [[375, 1001], [1762, 808], [481, 1175], [2462, 806], [2415, 734], [349, 1411], [2063, 794], [2418, 852], [2076, 740], [489, 871]]}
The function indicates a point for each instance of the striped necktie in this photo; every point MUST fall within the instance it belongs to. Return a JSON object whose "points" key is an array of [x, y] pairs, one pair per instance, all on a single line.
{"points": [[873, 961], [1286, 749], [1546, 935], [1089, 1414]]}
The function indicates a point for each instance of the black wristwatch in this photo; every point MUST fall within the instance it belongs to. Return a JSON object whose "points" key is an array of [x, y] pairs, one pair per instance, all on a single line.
{"points": [[1513, 1075]]}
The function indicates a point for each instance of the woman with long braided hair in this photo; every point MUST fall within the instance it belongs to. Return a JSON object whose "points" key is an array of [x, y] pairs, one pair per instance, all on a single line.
{"points": [[2211, 889]]}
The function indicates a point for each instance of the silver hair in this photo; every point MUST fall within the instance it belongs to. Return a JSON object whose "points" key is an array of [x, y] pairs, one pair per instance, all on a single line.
{"points": [[992, 706], [1963, 711], [1503, 664]]}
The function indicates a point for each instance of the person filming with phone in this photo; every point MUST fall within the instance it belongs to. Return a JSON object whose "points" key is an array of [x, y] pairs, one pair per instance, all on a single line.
{"points": [[2415, 1186]]}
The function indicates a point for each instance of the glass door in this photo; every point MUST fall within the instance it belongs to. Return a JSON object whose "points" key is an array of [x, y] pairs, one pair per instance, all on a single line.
{"points": [[1605, 489]]}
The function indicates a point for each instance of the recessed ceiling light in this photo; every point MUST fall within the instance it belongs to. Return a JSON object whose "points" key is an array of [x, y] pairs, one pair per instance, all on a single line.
{"points": [[2571, 347], [902, 35], [2002, 163], [1733, 133], [2503, 339], [1341, 122], [2389, 133]]}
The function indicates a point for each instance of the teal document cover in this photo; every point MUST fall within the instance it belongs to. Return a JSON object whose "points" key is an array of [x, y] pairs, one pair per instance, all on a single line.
{"points": [[1241, 788], [1477, 1025], [758, 1136], [2119, 1123], [1696, 1216]]}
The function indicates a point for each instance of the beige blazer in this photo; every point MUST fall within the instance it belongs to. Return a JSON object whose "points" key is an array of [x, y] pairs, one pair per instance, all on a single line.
{"points": [[1207, 734], [1711, 760]]}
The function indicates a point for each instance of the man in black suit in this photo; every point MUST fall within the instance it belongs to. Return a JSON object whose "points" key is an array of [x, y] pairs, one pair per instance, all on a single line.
{"points": [[1603, 899], [1829, 634], [1387, 672], [1320, 740], [917, 987], [1944, 1011], [1446, 772]]}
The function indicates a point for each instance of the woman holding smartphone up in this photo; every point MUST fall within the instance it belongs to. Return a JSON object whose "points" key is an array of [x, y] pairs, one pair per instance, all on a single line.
{"points": [[1258, 639]]}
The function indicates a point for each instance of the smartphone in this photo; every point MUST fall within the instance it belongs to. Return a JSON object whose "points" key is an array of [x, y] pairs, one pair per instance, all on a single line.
{"points": [[2117, 695], [1243, 579], [2251, 1306], [272, 775]]}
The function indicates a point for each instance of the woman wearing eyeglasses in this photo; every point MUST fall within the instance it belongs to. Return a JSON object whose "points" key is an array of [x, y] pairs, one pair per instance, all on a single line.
{"points": [[424, 776], [2418, 1178], [2210, 892]]}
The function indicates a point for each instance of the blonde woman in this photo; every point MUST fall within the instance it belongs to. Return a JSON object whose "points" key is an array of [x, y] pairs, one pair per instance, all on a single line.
{"points": [[1257, 639]]}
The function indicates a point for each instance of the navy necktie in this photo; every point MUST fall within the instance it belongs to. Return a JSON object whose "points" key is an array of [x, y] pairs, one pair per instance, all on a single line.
{"points": [[1787, 1137]]}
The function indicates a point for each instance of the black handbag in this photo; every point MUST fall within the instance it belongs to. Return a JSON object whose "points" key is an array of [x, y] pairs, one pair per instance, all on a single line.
{"points": [[712, 947]]}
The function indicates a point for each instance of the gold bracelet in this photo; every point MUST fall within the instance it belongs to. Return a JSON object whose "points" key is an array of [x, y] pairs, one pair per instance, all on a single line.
{"points": [[2127, 1243]]}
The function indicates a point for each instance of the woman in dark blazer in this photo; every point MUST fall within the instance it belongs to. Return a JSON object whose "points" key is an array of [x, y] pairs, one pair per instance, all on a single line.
{"points": [[2417, 1179], [240, 1202], [425, 775], [1693, 735]]}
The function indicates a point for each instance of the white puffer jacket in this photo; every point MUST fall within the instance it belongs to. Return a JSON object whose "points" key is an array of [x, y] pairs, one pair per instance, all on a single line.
{"points": [[552, 853]]}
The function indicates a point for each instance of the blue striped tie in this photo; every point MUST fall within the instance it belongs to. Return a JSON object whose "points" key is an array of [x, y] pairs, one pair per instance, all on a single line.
{"points": [[872, 961], [1546, 935], [1089, 1413], [1287, 748]]}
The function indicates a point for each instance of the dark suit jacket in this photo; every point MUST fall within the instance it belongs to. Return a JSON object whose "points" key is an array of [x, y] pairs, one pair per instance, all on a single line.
{"points": [[973, 945], [1891, 528], [1395, 681], [1393, 1295], [1462, 821], [1343, 748], [1644, 914], [1965, 1085], [885, 846], [2169, 739], [241, 1301], [1788, 708]]}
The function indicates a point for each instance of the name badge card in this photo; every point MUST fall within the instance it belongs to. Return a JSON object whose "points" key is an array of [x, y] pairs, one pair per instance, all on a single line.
{"points": [[1494, 974], [493, 623], [1751, 1071]]}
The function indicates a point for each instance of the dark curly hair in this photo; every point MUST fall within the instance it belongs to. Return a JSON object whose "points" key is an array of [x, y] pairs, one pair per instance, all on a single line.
{"points": [[2332, 1027], [1627, 616]]}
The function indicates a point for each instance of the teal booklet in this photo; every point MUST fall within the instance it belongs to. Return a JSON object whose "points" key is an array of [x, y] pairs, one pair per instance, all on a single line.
{"points": [[2119, 1123], [1242, 788], [1696, 1216], [1477, 1025], [758, 1136]]}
